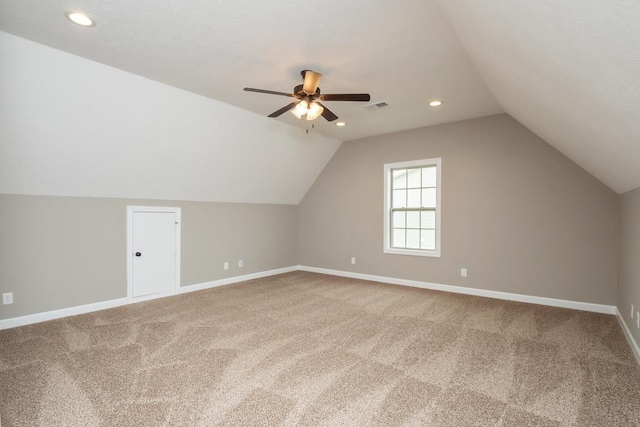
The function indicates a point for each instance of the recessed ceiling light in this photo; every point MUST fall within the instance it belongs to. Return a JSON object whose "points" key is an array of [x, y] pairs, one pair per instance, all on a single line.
{"points": [[80, 19], [341, 124], [435, 103]]}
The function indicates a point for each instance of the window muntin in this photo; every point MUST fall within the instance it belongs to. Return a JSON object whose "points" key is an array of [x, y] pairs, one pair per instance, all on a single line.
{"points": [[412, 207]]}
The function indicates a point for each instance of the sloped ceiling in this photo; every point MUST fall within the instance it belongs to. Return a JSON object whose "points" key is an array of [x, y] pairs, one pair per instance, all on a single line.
{"points": [[404, 53], [74, 127], [568, 70]]}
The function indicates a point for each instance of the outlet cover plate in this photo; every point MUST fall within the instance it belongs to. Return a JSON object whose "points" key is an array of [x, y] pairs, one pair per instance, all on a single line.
{"points": [[7, 298]]}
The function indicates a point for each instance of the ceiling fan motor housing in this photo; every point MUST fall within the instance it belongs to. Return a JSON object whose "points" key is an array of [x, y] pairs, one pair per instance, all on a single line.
{"points": [[298, 91]]}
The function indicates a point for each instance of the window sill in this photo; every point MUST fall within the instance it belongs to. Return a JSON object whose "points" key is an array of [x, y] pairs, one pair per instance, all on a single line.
{"points": [[432, 254]]}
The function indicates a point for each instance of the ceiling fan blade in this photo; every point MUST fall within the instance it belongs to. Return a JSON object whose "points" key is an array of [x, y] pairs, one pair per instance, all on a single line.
{"points": [[363, 97], [311, 81], [283, 110], [271, 92], [327, 114]]}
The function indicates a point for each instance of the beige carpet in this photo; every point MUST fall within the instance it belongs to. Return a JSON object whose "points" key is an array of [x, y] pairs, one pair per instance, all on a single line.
{"points": [[314, 350]]}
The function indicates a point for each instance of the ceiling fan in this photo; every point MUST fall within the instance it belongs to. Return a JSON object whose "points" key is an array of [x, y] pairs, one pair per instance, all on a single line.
{"points": [[308, 98]]}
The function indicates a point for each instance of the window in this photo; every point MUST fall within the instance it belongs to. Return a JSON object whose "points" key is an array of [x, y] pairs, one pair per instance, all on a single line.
{"points": [[412, 208]]}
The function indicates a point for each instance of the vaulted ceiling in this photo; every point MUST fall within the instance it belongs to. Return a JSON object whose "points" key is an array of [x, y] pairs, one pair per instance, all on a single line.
{"points": [[569, 71]]}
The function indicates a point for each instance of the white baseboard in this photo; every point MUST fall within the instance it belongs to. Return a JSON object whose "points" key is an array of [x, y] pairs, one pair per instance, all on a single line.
{"points": [[627, 334], [576, 305], [236, 279], [72, 311], [63, 312], [102, 305]]}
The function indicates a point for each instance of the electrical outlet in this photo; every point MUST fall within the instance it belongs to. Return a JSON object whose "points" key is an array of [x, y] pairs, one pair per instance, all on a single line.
{"points": [[353, 260], [226, 265], [7, 298], [240, 264], [463, 272]]}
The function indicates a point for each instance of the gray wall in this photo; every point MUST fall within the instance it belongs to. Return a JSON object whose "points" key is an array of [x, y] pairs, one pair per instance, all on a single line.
{"points": [[59, 252], [629, 272], [519, 215]]}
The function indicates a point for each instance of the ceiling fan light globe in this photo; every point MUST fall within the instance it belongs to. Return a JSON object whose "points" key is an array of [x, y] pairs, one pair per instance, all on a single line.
{"points": [[314, 111], [300, 109]]}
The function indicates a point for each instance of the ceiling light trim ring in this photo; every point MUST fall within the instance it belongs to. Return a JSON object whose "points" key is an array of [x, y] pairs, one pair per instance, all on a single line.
{"points": [[80, 19]]}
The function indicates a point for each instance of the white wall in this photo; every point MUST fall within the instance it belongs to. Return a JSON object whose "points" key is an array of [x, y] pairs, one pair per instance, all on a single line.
{"points": [[74, 127]]}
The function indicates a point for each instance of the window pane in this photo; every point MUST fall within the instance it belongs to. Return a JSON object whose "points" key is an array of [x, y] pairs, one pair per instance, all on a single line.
{"points": [[399, 198], [429, 176], [398, 239], [398, 220], [413, 200], [428, 197], [428, 239], [413, 239], [400, 178], [428, 219], [413, 219], [413, 177], [412, 207]]}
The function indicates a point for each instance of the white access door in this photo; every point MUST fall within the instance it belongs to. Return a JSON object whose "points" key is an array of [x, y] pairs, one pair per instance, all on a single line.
{"points": [[154, 252]]}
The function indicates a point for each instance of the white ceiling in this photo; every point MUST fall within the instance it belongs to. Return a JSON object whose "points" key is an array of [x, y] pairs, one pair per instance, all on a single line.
{"points": [[569, 70], [404, 53], [74, 127]]}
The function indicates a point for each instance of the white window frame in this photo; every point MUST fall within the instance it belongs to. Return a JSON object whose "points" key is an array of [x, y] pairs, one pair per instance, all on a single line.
{"points": [[437, 162]]}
